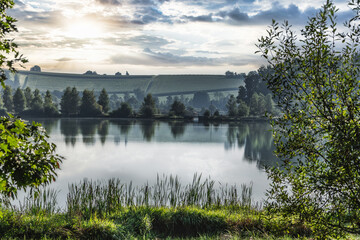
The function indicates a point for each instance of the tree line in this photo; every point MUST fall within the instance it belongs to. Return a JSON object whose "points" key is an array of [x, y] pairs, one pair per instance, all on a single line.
{"points": [[72, 103]]}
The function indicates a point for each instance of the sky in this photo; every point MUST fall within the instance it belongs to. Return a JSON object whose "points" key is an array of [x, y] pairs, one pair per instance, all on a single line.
{"points": [[152, 36]]}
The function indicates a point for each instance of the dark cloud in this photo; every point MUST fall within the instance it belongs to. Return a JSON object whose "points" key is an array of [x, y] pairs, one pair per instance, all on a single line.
{"points": [[146, 15], [64, 59], [142, 2], [237, 15], [155, 58], [109, 2], [201, 18], [141, 41], [50, 18]]}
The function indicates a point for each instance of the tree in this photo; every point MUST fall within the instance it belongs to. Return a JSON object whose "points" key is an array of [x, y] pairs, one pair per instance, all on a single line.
{"points": [[139, 94], [35, 68], [124, 111], [178, 108], [251, 84], [49, 107], [207, 114], [231, 106], [104, 101], [26, 157], [148, 108], [201, 99], [316, 84], [8, 99], [243, 109], [269, 103], [75, 101], [241, 94], [89, 107], [37, 104], [65, 102], [28, 96], [70, 102], [19, 101], [257, 105]]}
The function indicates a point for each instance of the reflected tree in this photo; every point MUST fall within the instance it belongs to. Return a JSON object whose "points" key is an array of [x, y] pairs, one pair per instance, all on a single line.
{"points": [[103, 130], [88, 130], [177, 128], [70, 129], [259, 145], [236, 135], [49, 124], [147, 129]]}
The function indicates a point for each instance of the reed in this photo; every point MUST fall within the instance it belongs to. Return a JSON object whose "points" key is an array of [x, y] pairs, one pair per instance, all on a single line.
{"points": [[88, 197], [42, 201]]}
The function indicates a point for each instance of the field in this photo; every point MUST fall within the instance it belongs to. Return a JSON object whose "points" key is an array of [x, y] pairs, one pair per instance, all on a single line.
{"points": [[192, 83], [161, 85], [57, 81]]}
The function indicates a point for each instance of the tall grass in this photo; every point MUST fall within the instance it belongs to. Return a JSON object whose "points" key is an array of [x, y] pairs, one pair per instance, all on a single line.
{"points": [[41, 201], [100, 197]]}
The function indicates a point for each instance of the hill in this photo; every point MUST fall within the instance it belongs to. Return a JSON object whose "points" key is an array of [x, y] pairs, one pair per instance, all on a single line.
{"points": [[159, 85]]}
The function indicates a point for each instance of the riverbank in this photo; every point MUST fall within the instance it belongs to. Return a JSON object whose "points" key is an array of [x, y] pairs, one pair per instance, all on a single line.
{"points": [[165, 210], [143, 222]]}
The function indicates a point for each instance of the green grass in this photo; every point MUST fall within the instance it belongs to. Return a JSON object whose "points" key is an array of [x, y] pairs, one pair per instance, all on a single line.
{"points": [[162, 84], [59, 82], [166, 210], [184, 83]]}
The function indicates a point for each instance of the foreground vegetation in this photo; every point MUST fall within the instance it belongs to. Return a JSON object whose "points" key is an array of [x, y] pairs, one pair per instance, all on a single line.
{"points": [[167, 209]]}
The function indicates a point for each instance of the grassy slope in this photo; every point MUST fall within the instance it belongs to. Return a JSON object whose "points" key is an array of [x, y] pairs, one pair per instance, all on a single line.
{"points": [[161, 84], [59, 82], [184, 83]]}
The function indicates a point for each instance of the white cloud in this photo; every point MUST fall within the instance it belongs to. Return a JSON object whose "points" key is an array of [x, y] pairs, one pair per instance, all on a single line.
{"points": [[179, 35]]}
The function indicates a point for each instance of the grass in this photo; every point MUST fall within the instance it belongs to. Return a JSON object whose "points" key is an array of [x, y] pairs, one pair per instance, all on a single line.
{"points": [[161, 84], [166, 210], [190, 83]]}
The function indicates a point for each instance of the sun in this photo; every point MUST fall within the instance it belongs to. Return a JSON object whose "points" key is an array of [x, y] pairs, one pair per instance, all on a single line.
{"points": [[84, 29]]}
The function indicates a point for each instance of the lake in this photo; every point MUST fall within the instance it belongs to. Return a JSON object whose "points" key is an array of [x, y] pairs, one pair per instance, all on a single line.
{"points": [[232, 153]]}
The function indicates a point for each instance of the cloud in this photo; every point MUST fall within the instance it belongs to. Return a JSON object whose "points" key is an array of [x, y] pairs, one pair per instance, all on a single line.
{"points": [[109, 2], [64, 59], [156, 58], [149, 14], [201, 18]]}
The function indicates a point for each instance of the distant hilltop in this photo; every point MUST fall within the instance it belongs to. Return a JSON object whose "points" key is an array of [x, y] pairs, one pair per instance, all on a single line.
{"points": [[158, 85]]}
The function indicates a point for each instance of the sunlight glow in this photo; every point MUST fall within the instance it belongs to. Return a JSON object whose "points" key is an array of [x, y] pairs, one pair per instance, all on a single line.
{"points": [[84, 29]]}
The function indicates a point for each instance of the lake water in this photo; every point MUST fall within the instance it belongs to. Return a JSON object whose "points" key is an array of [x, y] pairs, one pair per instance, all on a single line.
{"points": [[233, 153]]}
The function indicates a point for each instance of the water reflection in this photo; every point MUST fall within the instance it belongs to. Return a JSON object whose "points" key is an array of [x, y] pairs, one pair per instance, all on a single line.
{"points": [[103, 130], [259, 146], [257, 140], [88, 129], [148, 130], [69, 128], [177, 128], [254, 138]]}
